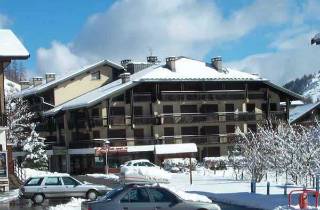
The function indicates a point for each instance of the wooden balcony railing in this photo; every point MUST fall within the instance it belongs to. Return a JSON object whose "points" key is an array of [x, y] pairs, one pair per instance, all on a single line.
{"points": [[201, 139], [206, 96], [141, 97]]}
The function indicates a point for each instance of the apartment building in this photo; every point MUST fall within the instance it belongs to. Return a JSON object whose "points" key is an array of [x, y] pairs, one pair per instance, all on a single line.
{"points": [[45, 94], [173, 103]]}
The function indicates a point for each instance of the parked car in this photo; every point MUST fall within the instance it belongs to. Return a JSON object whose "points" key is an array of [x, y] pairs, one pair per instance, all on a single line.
{"points": [[39, 188], [144, 197], [143, 171]]}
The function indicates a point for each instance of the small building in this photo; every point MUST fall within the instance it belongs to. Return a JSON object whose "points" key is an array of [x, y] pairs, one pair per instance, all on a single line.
{"points": [[10, 49], [307, 114]]}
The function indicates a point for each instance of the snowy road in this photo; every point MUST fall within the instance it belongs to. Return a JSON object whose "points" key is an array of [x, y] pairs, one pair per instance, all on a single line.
{"points": [[27, 205]]}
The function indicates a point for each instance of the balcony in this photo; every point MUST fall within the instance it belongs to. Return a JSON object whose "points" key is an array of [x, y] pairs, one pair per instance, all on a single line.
{"points": [[201, 139], [117, 142], [118, 120], [278, 115], [203, 96], [144, 120], [83, 144], [96, 122], [187, 118], [142, 97]]}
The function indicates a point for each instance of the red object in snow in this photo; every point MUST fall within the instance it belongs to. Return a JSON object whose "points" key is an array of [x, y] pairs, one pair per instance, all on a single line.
{"points": [[303, 200]]}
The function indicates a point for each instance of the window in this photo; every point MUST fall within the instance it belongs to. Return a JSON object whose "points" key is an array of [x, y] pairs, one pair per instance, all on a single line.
{"points": [[188, 109], [117, 111], [273, 107], [95, 75], [53, 181], [138, 133], [229, 107], [117, 133], [252, 127], [96, 134], [138, 110], [136, 196], [189, 130], [251, 107], [210, 130], [34, 182], [209, 108], [69, 181], [167, 109], [161, 195], [169, 131], [230, 128], [95, 112]]}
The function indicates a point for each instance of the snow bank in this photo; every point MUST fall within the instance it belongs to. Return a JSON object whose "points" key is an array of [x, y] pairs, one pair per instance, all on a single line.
{"points": [[145, 174], [34, 172], [179, 164], [74, 204], [112, 177], [294, 207], [9, 196]]}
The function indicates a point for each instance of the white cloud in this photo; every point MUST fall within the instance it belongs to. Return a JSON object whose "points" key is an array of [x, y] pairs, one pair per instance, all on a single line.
{"points": [[292, 58], [129, 28], [58, 59]]}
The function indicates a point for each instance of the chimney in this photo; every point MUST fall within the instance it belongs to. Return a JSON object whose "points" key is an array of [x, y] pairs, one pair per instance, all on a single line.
{"points": [[125, 62], [125, 77], [217, 63], [37, 81], [152, 59], [50, 77], [24, 84], [171, 63]]}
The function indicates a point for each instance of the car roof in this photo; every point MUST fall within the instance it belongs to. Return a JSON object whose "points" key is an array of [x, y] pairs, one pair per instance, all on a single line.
{"points": [[138, 161], [51, 175]]}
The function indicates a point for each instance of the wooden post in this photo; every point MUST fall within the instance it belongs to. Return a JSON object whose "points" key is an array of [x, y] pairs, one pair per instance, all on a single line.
{"points": [[190, 162]]}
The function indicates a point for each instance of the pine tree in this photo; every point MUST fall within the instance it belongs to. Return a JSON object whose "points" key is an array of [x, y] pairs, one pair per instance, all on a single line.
{"points": [[19, 120], [36, 156]]}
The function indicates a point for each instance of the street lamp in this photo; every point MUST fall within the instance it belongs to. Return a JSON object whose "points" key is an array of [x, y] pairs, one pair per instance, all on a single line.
{"points": [[106, 146]]}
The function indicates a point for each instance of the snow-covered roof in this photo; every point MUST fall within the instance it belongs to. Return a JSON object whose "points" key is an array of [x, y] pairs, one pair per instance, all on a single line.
{"points": [[293, 103], [163, 149], [41, 88], [186, 70], [11, 47], [299, 111]]}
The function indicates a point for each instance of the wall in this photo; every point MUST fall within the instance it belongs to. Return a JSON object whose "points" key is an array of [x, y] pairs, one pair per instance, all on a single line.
{"points": [[81, 84]]}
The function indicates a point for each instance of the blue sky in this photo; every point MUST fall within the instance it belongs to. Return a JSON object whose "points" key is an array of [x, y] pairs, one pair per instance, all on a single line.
{"points": [[265, 37]]}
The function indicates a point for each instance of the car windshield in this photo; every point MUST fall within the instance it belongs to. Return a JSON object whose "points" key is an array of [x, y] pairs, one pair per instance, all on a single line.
{"points": [[113, 193]]}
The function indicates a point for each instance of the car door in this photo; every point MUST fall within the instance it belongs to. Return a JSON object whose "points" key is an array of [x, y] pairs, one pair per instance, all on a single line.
{"points": [[72, 188], [163, 199], [136, 199], [52, 187]]}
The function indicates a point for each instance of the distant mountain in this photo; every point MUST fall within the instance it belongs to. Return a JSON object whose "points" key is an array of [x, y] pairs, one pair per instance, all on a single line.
{"points": [[308, 86]]}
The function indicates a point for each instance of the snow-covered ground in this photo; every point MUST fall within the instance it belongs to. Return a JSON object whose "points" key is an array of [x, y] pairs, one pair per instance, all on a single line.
{"points": [[112, 177], [220, 187]]}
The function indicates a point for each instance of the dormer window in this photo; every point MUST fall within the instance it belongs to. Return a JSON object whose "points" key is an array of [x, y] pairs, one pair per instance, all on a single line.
{"points": [[95, 75]]}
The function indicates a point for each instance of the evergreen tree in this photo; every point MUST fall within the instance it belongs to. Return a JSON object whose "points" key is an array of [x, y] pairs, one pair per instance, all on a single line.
{"points": [[36, 156]]}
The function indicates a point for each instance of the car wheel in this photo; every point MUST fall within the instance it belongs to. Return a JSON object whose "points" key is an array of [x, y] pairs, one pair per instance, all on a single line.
{"points": [[38, 198], [92, 195]]}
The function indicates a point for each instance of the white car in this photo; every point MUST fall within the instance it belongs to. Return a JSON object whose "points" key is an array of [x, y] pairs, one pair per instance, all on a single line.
{"points": [[143, 171], [39, 188]]}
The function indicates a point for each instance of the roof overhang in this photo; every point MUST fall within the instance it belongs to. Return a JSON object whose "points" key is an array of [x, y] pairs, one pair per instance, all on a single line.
{"points": [[10, 47]]}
